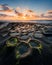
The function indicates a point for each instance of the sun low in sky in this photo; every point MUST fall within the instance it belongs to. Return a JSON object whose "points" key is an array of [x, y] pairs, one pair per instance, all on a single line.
{"points": [[26, 10]]}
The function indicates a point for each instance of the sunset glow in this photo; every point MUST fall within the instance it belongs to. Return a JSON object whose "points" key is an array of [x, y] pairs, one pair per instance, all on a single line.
{"points": [[26, 10]]}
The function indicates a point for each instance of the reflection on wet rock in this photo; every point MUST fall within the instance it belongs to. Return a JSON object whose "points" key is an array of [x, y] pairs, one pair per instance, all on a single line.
{"points": [[25, 43]]}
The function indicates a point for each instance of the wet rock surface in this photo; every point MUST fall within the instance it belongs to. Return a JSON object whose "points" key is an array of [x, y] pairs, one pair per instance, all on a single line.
{"points": [[35, 40]]}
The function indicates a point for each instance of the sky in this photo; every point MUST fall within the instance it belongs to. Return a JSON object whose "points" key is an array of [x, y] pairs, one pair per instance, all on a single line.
{"points": [[36, 5], [25, 9]]}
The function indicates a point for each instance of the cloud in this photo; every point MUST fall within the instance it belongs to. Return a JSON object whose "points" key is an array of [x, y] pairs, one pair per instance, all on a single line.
{"points": [[6, 10], [30, 11], [5, 7], [49, 11], [8, 13], [18, 8], [47, 14]]}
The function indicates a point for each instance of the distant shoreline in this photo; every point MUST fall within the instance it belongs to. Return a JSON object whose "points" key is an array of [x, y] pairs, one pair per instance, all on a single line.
{"points": [[27, 21]]}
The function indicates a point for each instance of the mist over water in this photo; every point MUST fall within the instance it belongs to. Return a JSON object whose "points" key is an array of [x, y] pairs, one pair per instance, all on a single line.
{"points": [[30, 21], [40, 21]]}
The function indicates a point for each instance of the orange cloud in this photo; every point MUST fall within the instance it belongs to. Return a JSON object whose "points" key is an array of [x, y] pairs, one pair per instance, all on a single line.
{"points": [[49, 11], [8, 13], [4, 9]]}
